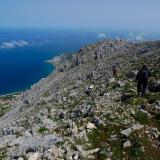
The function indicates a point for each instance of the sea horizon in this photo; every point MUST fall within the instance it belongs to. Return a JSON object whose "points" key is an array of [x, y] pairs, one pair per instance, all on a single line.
{"points": [[24, 52]]}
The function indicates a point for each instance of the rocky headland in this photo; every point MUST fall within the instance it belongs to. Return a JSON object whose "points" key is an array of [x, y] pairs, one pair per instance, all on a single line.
{"points": [[80, 112]]}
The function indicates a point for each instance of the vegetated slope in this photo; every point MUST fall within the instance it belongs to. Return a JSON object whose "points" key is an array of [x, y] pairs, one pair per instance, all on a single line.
{"points": [[82, 112]]}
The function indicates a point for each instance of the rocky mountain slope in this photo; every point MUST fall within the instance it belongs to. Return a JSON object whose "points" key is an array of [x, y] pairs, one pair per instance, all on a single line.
{"points": [[82, 112]]}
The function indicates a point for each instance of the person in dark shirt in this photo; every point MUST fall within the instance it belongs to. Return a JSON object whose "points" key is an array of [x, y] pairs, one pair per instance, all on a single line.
{"points": [[142, 80], [114, 70]]}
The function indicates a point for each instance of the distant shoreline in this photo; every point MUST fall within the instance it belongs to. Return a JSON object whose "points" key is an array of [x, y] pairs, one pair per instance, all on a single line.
{"points": [[11, 94], [54, 61], [27, 88]]}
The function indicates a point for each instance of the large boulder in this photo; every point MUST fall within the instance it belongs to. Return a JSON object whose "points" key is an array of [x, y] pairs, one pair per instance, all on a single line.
{"points": [[134, 127], [132, 74]]}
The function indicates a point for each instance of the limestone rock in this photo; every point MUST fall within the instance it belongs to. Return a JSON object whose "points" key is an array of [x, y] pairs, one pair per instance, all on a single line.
{"points": [[127, 144], [132, 74], [33, 156], [91, 126]]}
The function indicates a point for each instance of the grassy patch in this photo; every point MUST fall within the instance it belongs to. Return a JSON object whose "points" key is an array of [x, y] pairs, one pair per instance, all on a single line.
{"points": [[117, 149], [43, 129], [3, 153], [157, 73], [141, 148], [46, 94], [141, 117], [156, 121], [99, 138], [135, 151], [135, 101], [153, 97], [112, 85], [127, 87], [3, 110], [92, 103]]}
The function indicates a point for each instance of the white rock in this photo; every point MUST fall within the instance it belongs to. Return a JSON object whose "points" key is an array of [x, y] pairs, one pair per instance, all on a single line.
{"points": [[33, 156], [111, 80], [75, 130], [137, 127], [93, 151], [48, 123], [91, 86], [28, 134], [90, 126], [126, 132], [56, 152], [127, 144], [76, 157]]}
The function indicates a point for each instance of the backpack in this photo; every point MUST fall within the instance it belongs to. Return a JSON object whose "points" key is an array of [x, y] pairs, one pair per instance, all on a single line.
{"points": [[144, 75]]}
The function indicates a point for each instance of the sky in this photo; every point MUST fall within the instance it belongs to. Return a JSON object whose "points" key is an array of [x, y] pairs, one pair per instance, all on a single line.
{"points": [[83, 14]]}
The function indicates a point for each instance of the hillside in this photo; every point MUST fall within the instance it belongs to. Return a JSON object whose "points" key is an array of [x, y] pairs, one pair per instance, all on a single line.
{"points": [[82, 112]]}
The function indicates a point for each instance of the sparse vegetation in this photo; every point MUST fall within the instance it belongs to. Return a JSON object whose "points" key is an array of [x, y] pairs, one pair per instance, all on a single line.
{"points": [[141, 117], [42, 130], [3, 110]]}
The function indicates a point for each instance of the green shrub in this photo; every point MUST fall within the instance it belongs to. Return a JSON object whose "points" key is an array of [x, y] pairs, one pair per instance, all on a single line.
{"points": [[141, 117], [42, 130]]}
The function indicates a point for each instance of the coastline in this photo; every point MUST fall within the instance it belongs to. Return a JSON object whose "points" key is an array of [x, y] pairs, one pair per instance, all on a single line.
{"points": [[20, 91], [11, 94], [11, 98]]}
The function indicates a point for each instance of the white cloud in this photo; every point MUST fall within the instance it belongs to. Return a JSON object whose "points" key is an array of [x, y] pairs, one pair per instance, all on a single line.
{"points": [[7, 45], [137, 36], [101, 35], [13, 44], [141, 37]]}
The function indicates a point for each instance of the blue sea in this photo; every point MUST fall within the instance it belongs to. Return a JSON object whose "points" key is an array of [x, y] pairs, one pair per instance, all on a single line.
{"points": [[23, 53]]}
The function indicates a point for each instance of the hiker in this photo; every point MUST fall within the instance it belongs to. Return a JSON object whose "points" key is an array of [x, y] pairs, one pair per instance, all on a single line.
{"points": [[89, 91], [142, 80], [114, 70]]}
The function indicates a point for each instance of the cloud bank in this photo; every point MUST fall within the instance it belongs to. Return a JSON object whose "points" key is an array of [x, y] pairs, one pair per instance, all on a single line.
{"points": [[14, 44], [141, 37], [137, 36]]}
